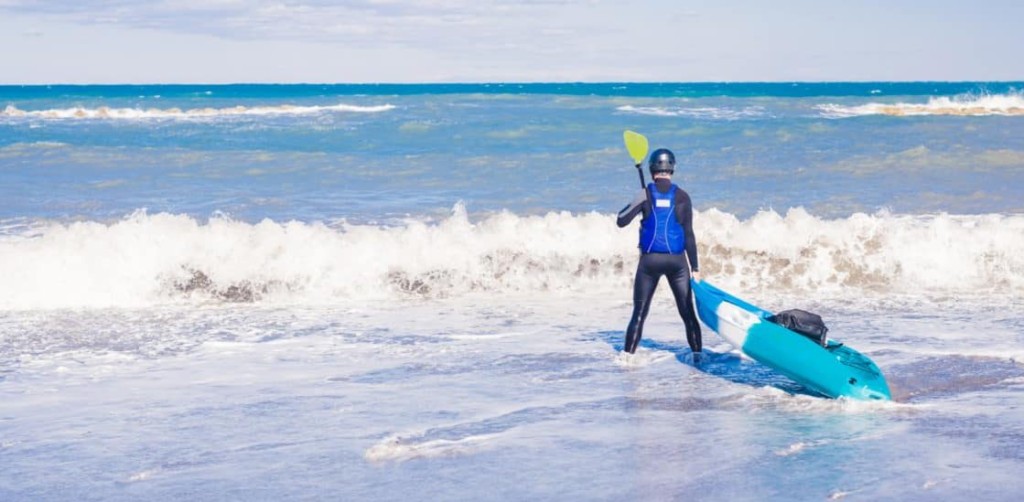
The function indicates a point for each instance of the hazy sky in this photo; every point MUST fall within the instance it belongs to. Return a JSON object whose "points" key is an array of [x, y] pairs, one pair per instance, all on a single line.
{"points": [[219, 41]]}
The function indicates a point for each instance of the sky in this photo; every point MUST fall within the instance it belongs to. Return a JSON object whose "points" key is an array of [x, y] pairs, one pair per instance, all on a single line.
{"points": [[367, 41]]}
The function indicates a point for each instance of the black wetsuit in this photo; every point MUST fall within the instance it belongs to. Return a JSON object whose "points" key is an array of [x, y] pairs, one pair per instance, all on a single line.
{"points": [[654, 265]]}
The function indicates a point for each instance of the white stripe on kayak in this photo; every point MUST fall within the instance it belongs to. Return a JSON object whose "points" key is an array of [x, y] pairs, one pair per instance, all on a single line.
{"points": [[734, 323]]}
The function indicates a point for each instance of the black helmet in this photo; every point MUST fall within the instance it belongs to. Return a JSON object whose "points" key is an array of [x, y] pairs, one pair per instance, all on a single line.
{"points": [[662, 161]]}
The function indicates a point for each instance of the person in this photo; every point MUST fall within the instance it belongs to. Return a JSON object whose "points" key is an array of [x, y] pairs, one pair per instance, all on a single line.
{"points": [[666, 243]]}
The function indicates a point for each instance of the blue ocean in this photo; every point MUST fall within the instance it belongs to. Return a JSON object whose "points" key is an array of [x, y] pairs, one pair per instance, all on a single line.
{"points": [[418, 292]]}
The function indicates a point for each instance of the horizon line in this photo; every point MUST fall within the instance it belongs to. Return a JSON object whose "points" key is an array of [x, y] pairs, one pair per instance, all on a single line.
{"points": [[553, 82]]}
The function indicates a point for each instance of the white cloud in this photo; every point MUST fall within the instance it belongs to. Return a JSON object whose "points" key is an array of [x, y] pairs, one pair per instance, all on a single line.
{"points": [[524, 40], [391, 21]]}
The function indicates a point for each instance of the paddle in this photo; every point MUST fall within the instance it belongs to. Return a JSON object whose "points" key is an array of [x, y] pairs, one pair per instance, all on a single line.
{"points": [[636, 144]]}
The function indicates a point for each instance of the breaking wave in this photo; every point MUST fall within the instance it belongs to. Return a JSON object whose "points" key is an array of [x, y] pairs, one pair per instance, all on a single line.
{"points": [[967, 105], [104, 112], [702, 112], [146, 259]]}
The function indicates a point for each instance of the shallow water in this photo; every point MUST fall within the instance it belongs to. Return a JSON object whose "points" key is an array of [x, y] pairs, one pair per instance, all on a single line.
{"points": [[210, 302], [466, 400]]}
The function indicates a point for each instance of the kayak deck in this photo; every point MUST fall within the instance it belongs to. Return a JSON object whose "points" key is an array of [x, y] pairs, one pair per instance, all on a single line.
{"points": [[835, 370]]}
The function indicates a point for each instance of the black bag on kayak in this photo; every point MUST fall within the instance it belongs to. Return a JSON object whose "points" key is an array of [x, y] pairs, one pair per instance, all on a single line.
{"points": [[803, 322]]}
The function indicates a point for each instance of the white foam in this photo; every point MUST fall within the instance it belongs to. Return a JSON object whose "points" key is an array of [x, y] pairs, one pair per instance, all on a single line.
{"points": [[398, 449], [966, 104], [882, 252], [146, 259], [703, 112], [799, 447], [104, 112], [641, 358], [487, 336], [141, 476]]}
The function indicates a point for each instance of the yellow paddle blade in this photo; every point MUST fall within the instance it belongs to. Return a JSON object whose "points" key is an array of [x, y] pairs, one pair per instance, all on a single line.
{"points": [[636, 143]]}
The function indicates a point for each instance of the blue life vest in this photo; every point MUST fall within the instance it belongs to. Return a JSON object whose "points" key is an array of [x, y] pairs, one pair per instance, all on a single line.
{"points": [[661, 232]]}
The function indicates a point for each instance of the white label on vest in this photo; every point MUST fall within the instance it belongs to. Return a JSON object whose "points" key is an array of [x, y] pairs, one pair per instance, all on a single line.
{"points": [[662, 203]]}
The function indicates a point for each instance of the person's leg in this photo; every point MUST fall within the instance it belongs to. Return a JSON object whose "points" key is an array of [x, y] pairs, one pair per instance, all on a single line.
{"points": [[679, 281], [643, 290], [693, 333]]}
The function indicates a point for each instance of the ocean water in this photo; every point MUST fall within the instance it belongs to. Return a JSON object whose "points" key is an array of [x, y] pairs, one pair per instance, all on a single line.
{"points": [[418, 292]]}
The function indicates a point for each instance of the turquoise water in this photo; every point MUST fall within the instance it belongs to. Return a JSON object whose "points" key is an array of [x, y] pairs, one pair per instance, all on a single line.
{"points": [[395, 292], [392, 150]]}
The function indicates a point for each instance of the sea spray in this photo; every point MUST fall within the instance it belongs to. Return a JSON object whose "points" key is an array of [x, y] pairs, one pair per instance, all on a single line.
{"points": [[146, 259]]}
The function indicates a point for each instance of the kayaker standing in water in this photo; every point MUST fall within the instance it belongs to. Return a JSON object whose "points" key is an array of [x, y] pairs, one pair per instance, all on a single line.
{"points": [[666, 242]]}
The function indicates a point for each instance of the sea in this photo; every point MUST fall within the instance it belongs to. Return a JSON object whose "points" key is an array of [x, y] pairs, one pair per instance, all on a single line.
{"points": [[419, 292]]}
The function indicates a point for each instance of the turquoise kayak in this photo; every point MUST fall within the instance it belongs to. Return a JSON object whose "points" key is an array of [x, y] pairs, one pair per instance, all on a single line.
{"points": [[834, 370]]}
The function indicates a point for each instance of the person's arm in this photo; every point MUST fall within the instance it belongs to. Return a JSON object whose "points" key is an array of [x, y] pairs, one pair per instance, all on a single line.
{"points": [[684, 213], [639, 205]]}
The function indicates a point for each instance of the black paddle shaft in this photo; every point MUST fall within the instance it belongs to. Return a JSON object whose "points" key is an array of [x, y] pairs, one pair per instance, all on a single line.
{"points": [[640, 171]]}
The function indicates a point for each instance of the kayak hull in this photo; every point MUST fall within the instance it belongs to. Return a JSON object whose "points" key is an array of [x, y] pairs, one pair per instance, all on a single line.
{"points": [[834, 370]]}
